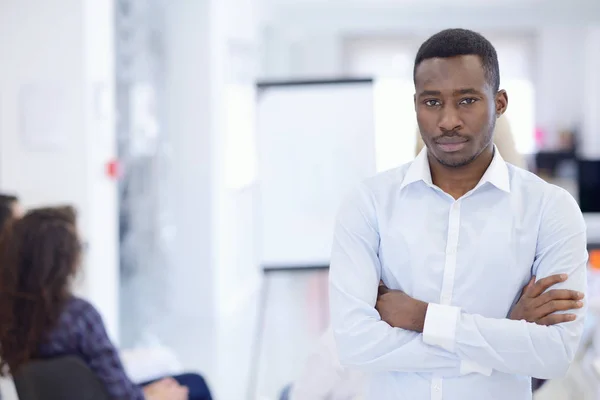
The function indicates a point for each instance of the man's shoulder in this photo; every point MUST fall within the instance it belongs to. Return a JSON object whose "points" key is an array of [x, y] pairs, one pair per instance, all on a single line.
{"points": [[527, 182], [372, 191], [386, 180], [520, 176], [536, 191]]}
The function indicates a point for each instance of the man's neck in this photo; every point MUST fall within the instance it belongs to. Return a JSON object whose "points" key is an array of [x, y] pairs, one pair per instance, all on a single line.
{"points": [[459, 181]]}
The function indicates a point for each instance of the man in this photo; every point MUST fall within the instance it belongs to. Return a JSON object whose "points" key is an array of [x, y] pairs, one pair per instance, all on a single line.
{"points": [[461, 237], [322, 376]]}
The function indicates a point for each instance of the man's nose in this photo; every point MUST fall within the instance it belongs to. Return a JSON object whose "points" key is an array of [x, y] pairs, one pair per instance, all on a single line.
{"points": [[450, 120]]}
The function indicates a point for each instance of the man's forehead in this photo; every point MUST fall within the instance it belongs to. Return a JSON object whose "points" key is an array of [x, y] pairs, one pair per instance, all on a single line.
{"points": [[461, 70]]}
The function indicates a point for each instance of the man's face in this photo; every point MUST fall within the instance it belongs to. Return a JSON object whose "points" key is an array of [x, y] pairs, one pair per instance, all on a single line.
{"points": [[456, 108]]}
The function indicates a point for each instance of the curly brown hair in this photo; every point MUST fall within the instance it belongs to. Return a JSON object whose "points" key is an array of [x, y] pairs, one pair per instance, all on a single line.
{"points": [[39, 255]]}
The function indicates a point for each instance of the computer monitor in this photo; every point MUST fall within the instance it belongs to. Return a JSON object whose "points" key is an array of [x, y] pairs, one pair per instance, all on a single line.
{"points": [[589, 185]]}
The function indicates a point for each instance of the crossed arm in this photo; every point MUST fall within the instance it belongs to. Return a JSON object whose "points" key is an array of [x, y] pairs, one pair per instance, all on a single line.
{"points": [[453, 342]]}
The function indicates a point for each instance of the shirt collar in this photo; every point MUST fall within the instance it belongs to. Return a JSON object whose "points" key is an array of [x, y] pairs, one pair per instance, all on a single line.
{"points": [[496, 174], [418, 170]]}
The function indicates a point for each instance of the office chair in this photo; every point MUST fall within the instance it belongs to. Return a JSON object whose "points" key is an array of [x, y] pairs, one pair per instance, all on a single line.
{"points": [[64, 378]]}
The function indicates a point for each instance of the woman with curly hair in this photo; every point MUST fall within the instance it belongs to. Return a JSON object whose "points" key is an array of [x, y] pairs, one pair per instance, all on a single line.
{"points": [[40, 318]]}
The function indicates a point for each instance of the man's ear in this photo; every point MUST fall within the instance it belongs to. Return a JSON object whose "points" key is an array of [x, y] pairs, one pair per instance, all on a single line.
{"points": [[501, 102], [415, 101]]}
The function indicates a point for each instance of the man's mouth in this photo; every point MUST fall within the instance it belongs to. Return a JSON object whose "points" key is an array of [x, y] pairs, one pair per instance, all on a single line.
{"points": [[451, 144]]}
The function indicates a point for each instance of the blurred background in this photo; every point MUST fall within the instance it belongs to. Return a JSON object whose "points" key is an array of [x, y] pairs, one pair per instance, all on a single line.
{"points": [[206, 146]]}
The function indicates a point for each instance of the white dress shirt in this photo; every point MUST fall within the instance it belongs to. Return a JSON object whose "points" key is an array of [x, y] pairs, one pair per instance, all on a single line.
{"points": [[469, 259]]}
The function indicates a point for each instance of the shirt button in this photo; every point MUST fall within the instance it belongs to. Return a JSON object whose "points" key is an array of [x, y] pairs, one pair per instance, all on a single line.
{"points": [[445, 299], [436, 388]]}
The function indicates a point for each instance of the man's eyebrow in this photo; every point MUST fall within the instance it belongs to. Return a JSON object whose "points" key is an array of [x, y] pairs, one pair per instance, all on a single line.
{"points": [[456, 92], [430, 93], [466, 91]]}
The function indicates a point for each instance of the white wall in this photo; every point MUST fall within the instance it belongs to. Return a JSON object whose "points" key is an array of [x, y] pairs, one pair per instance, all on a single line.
{"points": [[560, 68], [190, 290], [209, 46], [236, 201], [307, 40], [59, 53], [590, 144]]}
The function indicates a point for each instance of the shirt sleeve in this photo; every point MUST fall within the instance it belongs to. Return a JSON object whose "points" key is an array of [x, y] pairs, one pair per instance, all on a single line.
{"points": [[519, 347], [364, 341], [102, 357]]}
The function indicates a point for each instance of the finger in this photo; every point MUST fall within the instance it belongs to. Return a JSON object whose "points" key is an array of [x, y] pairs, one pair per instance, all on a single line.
{"points": [[528, 286], [555, 319], [558, 294], [531, 282], [381, 283], [543, 284], [381, 290], [559, 305]]}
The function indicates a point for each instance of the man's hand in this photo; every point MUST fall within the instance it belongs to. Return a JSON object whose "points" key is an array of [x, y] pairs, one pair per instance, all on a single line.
{"points": [[400, 310], [540, 308]]}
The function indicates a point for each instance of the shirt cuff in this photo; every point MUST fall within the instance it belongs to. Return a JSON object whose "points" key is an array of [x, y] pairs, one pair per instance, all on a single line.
{"points": [[440, 326], [470, 367]]}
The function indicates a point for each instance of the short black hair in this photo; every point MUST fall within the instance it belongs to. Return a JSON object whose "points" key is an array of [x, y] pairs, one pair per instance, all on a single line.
{"points": [[461, 42]]}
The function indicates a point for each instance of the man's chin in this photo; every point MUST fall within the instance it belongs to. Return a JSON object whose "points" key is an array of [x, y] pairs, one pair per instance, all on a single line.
{"points": [[455, 160]]}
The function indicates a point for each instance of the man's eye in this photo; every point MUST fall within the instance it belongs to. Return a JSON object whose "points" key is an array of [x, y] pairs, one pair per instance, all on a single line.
{"points": [[468, 101], [432, 103]]}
